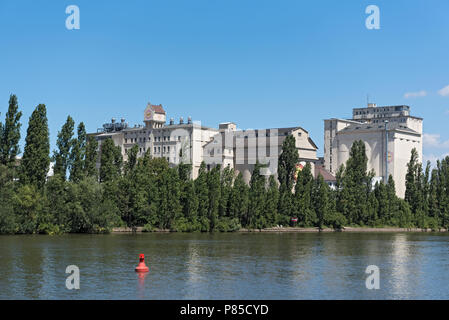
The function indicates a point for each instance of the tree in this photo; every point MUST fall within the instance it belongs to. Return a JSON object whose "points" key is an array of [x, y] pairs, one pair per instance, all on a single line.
{"points": [[414, 194], [90, 161], [238, 202], [354, 185], [202, 191], [213, 185], [255, 216], [132, 158], [321, 201], [36, 160], [111, 161], [227, 178], [78, 155], [10, 134], [271, 203], [288, 159], [7, 217], [170, 206], [303, 207], [64, 143]]}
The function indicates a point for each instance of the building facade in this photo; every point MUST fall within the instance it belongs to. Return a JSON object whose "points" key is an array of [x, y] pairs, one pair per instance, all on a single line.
{"points": [[193, 143], [242, 149], [389, 133]]}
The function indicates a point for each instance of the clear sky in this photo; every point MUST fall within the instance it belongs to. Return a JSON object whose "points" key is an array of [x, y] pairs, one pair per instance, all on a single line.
{"points": [[258, 63]]}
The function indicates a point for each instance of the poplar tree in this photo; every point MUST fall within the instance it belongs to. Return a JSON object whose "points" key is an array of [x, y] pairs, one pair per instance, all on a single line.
{"points": [[321, 201], [189, 198], [288, 159], [78, 154], [36, 160], [271, 204], [255, 216], [238, 203], [90, 161], [303, 207], [170, 208], [227, 177], [111, 161], [213, 184], [10, 134], [414, 189], [201, 188], [132, 158], [354, 185], [64, 144]]}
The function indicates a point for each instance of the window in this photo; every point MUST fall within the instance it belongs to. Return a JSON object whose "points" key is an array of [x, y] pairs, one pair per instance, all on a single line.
{"points": [[168, 148], [154, 149]]}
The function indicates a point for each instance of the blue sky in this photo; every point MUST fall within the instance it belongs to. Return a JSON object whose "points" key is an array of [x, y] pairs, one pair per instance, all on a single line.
{"points": [[258, 63]]}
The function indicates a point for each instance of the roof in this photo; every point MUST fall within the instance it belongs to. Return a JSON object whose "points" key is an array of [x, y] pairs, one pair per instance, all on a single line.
{"points": [[327, 176], [312, 143], [158, 108]]}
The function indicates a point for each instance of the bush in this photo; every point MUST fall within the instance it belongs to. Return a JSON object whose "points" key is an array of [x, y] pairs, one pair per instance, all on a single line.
{"points": [[148, 228], [228, 225]]}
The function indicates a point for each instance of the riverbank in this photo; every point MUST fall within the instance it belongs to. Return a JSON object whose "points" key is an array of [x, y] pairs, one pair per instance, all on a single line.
{"points": [[294, 229]]}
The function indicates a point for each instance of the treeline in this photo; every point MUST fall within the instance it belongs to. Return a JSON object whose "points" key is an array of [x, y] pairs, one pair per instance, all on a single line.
{"points": [[148, 192]]}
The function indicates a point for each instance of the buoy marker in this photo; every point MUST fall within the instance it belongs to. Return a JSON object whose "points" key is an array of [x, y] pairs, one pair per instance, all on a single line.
{"points": [[141, 266]]}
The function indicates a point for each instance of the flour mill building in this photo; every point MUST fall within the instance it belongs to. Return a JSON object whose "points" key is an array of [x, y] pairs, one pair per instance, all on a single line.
{"points": [[389, 133], [191, 142]]}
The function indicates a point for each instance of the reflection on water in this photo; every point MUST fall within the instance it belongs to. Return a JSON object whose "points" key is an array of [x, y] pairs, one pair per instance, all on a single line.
{"points": [[400, 271], [141, 284], [226, 266]]}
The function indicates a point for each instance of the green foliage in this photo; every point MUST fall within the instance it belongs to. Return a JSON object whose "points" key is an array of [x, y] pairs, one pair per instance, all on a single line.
{"points": [[303, 206], [239, 199], [36, 161], [111, 161], [288, 160], [255, 217], [7, 216], [271, 202], [90, 161], [78, 154], [213, 185], [148, 192], [64, 143], [10, 134]]}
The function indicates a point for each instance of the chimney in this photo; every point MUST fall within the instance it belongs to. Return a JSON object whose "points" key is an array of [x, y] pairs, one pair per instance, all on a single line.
{"points": [[189, 120], [181, 120], [172, 121], [113, 120]]}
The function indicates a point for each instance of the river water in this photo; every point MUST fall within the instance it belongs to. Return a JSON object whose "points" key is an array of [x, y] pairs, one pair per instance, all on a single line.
{"points": [[226, 266]]}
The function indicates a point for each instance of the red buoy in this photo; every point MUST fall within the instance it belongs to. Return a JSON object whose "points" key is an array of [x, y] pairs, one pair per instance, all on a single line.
{"points": [[142, 267]]}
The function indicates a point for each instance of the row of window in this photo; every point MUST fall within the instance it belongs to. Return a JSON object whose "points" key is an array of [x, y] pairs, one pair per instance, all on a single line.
{"points": [[156, 139]]}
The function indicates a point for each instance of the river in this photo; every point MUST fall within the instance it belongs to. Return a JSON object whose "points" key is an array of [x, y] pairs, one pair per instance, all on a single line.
{"points": [[226, 266]]}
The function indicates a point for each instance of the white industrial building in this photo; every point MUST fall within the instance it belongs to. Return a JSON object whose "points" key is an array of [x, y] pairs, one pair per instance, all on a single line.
{"points": [[193, 143], [389, 133]]}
